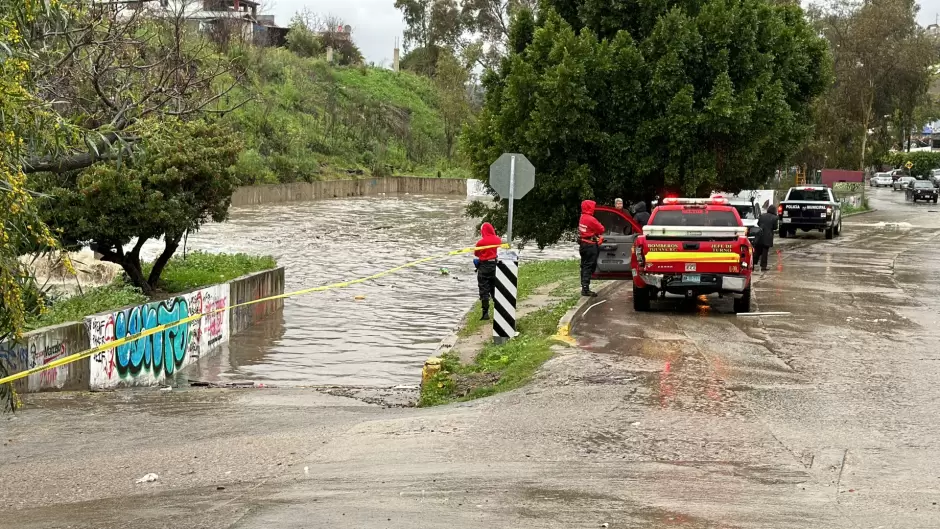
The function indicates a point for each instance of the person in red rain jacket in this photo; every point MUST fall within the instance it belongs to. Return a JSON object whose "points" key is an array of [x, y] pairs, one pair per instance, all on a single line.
{"points": [[486, 269], [590, 236]]}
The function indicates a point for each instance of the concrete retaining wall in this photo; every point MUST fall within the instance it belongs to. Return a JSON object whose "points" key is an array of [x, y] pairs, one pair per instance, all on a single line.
{"points": [[255, 286], [146, 361], [395, 185], [42, 346]]}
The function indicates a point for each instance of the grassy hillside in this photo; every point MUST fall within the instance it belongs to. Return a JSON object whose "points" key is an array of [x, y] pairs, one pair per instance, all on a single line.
{"points": [[311, 121]]}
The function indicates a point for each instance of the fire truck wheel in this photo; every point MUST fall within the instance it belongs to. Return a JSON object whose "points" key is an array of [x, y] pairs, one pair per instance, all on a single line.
{"points": [[743, 304], [641, 299]]}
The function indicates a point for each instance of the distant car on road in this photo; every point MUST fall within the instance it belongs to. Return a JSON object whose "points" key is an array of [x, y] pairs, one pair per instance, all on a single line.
{"points": [[901, 183], [881, 180], [810, 208], [693, 247], [921, 190]]}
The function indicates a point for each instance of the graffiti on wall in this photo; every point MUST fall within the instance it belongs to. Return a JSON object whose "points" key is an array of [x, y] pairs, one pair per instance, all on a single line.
{"points": [[155, 357], [36, 351], [40, 356]]}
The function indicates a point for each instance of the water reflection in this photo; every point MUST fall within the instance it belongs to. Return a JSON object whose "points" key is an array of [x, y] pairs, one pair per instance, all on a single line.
{"points": [[330, 337]]}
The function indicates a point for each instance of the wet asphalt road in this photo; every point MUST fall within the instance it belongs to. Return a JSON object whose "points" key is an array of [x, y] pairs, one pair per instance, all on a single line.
{"points": [[685, 417]]}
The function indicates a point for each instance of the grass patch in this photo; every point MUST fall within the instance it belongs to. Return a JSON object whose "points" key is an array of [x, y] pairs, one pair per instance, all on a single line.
{"points": [[94, 300], [499, 368], [199, 269], [849, 209]]}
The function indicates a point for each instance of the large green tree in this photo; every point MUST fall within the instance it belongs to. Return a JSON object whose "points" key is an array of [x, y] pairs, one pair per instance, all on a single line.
{"points": [[882, 65], [632, 98], [179, 178]]}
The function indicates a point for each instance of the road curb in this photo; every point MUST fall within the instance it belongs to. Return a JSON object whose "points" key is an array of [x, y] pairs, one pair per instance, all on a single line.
{"points": [[859, 213], [563, 334], [450, 340]]}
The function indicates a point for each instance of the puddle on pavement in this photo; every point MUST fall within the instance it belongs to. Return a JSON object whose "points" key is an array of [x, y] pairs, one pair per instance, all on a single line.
{"points": [[329, 338]]}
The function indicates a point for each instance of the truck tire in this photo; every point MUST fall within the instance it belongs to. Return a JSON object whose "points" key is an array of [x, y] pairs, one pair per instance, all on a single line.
{"points": [[839, 229], [743, 304], [641, 299], [783, 232], [829, 232]]}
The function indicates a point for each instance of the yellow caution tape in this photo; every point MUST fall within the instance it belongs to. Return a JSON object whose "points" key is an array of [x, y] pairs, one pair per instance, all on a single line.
{"points": [[692, 257], [160, 328]]}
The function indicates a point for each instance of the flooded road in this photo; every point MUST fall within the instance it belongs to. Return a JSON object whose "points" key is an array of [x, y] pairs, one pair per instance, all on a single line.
{"points": [[328, 338], [683, 417]]}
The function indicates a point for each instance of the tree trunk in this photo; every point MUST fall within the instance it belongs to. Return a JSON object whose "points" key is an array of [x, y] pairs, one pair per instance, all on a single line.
{"points": [[131, 268], [130, 262], [168, 250], [865, 123]]}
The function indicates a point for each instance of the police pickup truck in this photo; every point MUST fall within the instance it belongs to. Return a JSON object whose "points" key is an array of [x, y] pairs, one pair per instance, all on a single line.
{"points": [[692, 247], [810, 208]]}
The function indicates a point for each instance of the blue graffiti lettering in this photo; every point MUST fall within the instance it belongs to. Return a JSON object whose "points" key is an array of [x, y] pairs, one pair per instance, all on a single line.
{"points": [[159, 352]]}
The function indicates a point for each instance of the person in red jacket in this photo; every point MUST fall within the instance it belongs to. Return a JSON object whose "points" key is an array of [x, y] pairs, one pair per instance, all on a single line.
{"points": [[486, 269], [590, 236]]}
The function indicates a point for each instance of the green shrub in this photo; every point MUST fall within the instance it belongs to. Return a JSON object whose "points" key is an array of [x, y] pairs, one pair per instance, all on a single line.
{"points": [[251, 168], [199, 269], [308, 120], [92, 301]]}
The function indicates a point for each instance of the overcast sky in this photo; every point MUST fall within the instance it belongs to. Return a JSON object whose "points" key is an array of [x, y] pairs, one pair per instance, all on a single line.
{"points": [[376, 23]]}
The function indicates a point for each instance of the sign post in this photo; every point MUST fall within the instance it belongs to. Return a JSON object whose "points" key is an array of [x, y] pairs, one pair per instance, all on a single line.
{"points": [[511, 176]]}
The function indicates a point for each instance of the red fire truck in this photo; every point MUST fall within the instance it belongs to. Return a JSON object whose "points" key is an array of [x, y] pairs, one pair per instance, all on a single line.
{"points": [[693, 247]]}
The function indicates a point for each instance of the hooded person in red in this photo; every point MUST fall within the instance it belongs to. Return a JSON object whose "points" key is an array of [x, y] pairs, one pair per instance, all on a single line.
{"points": [[486, 269], [590, 236]]}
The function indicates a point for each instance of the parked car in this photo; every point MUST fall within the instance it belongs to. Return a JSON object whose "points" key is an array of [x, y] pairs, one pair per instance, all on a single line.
{"points": [[901, 183], [921, 190], [749, 212], [935, 177], [617, 248], [881, 180]]}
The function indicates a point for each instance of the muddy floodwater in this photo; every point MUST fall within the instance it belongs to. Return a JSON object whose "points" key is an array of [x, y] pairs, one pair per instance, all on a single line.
{"points": [[332, 337]]}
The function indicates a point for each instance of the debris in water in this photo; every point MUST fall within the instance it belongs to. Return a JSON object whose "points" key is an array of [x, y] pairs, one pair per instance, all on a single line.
{"points": [[166, 388], [149, 478], [360, 297], [445, 272], [306, 471]]}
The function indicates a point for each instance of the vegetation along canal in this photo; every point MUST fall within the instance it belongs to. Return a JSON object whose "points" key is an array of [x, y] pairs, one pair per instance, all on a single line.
{"points": [[331, 337]]}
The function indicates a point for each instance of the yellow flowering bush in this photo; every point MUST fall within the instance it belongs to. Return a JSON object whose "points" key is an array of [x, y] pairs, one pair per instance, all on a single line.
{"points": [[26, 125]]}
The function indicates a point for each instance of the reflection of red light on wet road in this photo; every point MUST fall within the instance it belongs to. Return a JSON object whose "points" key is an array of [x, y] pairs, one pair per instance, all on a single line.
{"points": [[779, 261], [666, 389]]}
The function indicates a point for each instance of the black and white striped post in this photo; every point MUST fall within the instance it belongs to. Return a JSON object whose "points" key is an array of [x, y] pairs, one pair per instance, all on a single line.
{"points": [[511, 176], [504, 314]]}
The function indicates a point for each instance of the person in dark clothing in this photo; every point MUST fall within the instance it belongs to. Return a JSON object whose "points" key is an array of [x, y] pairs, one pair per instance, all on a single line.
{"points": [[640, 214], [486, 266], [767, 223], [590, 236]]}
